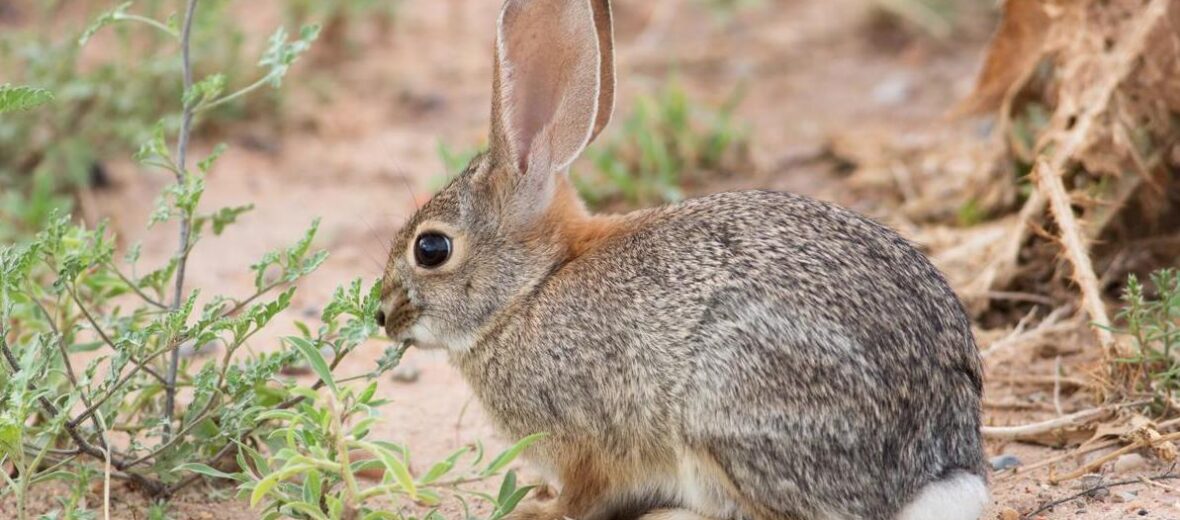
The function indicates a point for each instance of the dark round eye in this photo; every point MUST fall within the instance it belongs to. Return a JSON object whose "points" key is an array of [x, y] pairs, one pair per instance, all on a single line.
{"points": [[432, 249]]}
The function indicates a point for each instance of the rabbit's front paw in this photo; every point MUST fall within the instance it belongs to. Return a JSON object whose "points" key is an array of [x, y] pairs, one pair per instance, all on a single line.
{"points": [[538, 509]]}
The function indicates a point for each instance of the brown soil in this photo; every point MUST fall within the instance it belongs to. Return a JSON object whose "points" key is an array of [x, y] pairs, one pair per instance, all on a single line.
{"points": [[357, 147]]}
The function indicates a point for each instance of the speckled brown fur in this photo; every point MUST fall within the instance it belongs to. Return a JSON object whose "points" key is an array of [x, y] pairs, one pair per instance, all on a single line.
{"points": [[750, 355]]}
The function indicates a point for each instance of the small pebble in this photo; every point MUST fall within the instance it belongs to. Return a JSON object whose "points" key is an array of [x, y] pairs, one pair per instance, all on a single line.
{"points": [[311, 311], [405, 373], [894, 90], [1124, 496], [1088, 481], [1003, 462], [1142, 512], [1009, 514], [1129, 462]]}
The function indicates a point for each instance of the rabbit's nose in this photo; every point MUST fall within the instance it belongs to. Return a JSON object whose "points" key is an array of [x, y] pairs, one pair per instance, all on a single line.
{"points": [[381, 318]]}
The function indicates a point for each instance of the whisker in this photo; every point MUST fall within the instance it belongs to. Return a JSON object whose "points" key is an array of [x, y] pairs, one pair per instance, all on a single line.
{"points": [[410, 191]]}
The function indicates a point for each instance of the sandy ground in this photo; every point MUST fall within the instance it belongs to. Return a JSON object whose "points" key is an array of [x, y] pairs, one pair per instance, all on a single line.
{"points": [[357, 147]]}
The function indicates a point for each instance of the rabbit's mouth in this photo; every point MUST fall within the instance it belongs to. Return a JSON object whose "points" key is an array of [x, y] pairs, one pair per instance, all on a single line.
{"points": [[397, 316], [404, 321]]}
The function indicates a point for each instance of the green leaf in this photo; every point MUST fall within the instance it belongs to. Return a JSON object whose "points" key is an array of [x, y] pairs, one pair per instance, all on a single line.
{"points": [[280, 53], [226, 216], [316, 360], [270, 481], [335, 506], [391, 358], [312, 487], [509, 505], [444, 467], [207, 163], [507, 487], [367, 394], [509, 496], [205, 90], [14, 99], [395, 467], [306, 509], [103, 20], [202, 469], [507, 456]]}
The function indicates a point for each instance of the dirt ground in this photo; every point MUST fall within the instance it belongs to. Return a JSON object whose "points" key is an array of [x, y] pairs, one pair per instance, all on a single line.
{"points": [[357, 147]]}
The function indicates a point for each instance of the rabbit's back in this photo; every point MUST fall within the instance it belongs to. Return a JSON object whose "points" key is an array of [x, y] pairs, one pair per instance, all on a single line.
{"points": [[813, 355], [836, 367]]}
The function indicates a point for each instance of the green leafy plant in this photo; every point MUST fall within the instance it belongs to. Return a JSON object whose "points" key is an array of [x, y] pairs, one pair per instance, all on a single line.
{"points": [[65, 292], [340, 17], [324, 443], [727, 9], [668, 141], [48, 156], [13, 98], [93, 386], [1153, 323]]}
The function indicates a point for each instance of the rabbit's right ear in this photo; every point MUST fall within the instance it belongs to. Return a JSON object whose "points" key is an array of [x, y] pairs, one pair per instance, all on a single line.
{"points": [[553, 87]]}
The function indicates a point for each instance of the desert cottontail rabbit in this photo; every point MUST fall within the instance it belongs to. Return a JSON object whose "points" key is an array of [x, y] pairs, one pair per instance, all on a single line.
{"points": [[750, 355]]}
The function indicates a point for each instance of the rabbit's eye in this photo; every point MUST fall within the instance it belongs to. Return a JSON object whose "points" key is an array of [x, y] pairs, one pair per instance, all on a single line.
{"points": [[432, 249]]}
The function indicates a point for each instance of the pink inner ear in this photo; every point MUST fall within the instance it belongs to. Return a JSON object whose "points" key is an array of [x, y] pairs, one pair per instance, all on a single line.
{"points": [[548, 52], [533, 104], [533, 61]]}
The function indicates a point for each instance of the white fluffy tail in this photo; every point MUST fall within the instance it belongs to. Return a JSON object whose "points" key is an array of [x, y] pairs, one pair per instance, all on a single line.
{"points": [[960, 496]]}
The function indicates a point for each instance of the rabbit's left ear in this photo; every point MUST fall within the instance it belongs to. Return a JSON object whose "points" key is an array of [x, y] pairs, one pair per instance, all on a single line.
{"points": [[554, 84]]}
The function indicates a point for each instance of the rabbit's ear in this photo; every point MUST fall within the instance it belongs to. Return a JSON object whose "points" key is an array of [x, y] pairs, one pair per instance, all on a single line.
{"points": [[553, 86], [604, 26]]}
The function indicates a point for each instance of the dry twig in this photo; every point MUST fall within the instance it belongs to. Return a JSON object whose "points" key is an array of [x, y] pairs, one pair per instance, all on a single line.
{"points": [[1167, 475], [1026, 431], [1073, 241], [1058, 148]]}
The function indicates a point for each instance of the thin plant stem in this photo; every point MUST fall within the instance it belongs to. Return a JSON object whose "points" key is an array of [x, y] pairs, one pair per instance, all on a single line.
{"points": [[135, 288], [65, 356], [230, 97], [144, 20], [186, 223], [107, 339]]}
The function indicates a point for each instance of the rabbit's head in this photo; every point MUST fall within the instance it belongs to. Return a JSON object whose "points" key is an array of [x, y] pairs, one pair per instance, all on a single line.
{"points": [[512, 217]]}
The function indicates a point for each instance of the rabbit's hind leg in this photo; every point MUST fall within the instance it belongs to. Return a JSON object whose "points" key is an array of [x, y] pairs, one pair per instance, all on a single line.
{"points": [[959, 496], [593, 487], [673, 514]]}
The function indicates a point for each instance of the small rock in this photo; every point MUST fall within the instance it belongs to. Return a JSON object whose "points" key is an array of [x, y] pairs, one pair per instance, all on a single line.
{"points": [[893, 91], [405, 373], [1129, 462], [1009, 514], [1124, 496], [1003, 462], [1089, 480], [1099, 493], [1097, 454], [311, 311], [1142, 512]]}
